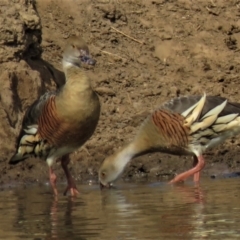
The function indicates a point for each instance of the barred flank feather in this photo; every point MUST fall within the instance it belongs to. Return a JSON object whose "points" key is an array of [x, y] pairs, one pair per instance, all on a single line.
{"points": [[170, 126], [49, 122], [29, 143]]}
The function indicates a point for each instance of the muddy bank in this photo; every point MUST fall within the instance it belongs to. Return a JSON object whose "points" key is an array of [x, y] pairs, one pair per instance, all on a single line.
{"points": [[147, 52]]}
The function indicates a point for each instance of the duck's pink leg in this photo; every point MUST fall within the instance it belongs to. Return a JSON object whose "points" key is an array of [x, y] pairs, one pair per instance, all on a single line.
{"points": [[53, 180], [71, 183], [196, 176], [199, 165]]}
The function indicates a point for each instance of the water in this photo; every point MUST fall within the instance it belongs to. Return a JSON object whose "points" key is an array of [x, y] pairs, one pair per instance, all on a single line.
{"points": [[132, 211]]}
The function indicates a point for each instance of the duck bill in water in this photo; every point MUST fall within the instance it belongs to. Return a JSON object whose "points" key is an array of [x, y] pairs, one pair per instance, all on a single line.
{"points": [[104, 186], [107, 186]]}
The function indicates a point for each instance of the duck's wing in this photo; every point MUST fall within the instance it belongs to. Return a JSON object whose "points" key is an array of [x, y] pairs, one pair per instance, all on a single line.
{"points": [[26, 141]]}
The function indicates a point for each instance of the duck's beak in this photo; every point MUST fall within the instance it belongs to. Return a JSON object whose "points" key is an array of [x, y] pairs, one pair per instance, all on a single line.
{"points": [[104, 186], [87, 58]]}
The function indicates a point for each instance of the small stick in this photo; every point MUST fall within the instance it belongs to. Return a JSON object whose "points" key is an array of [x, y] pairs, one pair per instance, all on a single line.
{"points": [[129, 99], [212, 12], [140, 11], [134, 39], [86, 150], [198, 27], [109, 53], [213, 4]]}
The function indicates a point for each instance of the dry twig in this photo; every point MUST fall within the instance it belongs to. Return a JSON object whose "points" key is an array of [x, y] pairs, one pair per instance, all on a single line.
{"points": [[124, 34], [212, 12], [129, 99], [86, 150], [112, 54]]}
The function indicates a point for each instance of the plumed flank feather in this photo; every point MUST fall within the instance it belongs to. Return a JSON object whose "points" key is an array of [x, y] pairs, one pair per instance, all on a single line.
{"points": [[215, 111], [30, 145], [187, 103], [219, 128], [196, 111], [209, 118], [226, 119], [32, 129], [232, 125]]}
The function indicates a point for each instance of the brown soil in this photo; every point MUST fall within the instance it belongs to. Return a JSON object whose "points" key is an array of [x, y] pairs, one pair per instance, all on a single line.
{"points": [[147, 52]]}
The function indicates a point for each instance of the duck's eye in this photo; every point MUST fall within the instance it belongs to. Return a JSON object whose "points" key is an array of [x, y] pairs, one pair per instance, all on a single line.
{"points": [[103, 174], [73, 46]]}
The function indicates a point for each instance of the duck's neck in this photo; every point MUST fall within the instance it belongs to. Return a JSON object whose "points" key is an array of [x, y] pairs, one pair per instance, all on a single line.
{"points": [[139, 146], [75, 93], [76, 78], [124, 155], [146, 141], [67, 64]]}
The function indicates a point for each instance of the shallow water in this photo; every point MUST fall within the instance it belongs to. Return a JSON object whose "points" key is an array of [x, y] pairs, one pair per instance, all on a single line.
{"points": [[132, 211]]}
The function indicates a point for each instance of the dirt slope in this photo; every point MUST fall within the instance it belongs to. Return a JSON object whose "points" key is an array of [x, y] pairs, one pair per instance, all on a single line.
{"points": [[147, 52]]}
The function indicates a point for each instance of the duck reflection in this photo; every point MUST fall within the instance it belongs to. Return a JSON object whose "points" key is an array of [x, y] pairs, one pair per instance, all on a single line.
{"points": [[131, 211], [42, 216]]}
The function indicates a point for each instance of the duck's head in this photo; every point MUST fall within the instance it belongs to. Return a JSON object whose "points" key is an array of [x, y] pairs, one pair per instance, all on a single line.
{"points": [[109, 171], [76, 52]]}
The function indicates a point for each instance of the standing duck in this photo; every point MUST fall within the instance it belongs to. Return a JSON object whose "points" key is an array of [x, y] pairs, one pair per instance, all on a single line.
{"points": [[183, 126], [60, 122]]}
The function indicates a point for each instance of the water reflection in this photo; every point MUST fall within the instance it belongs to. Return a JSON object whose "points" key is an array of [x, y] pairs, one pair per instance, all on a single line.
{"points": [[132, 211]]}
